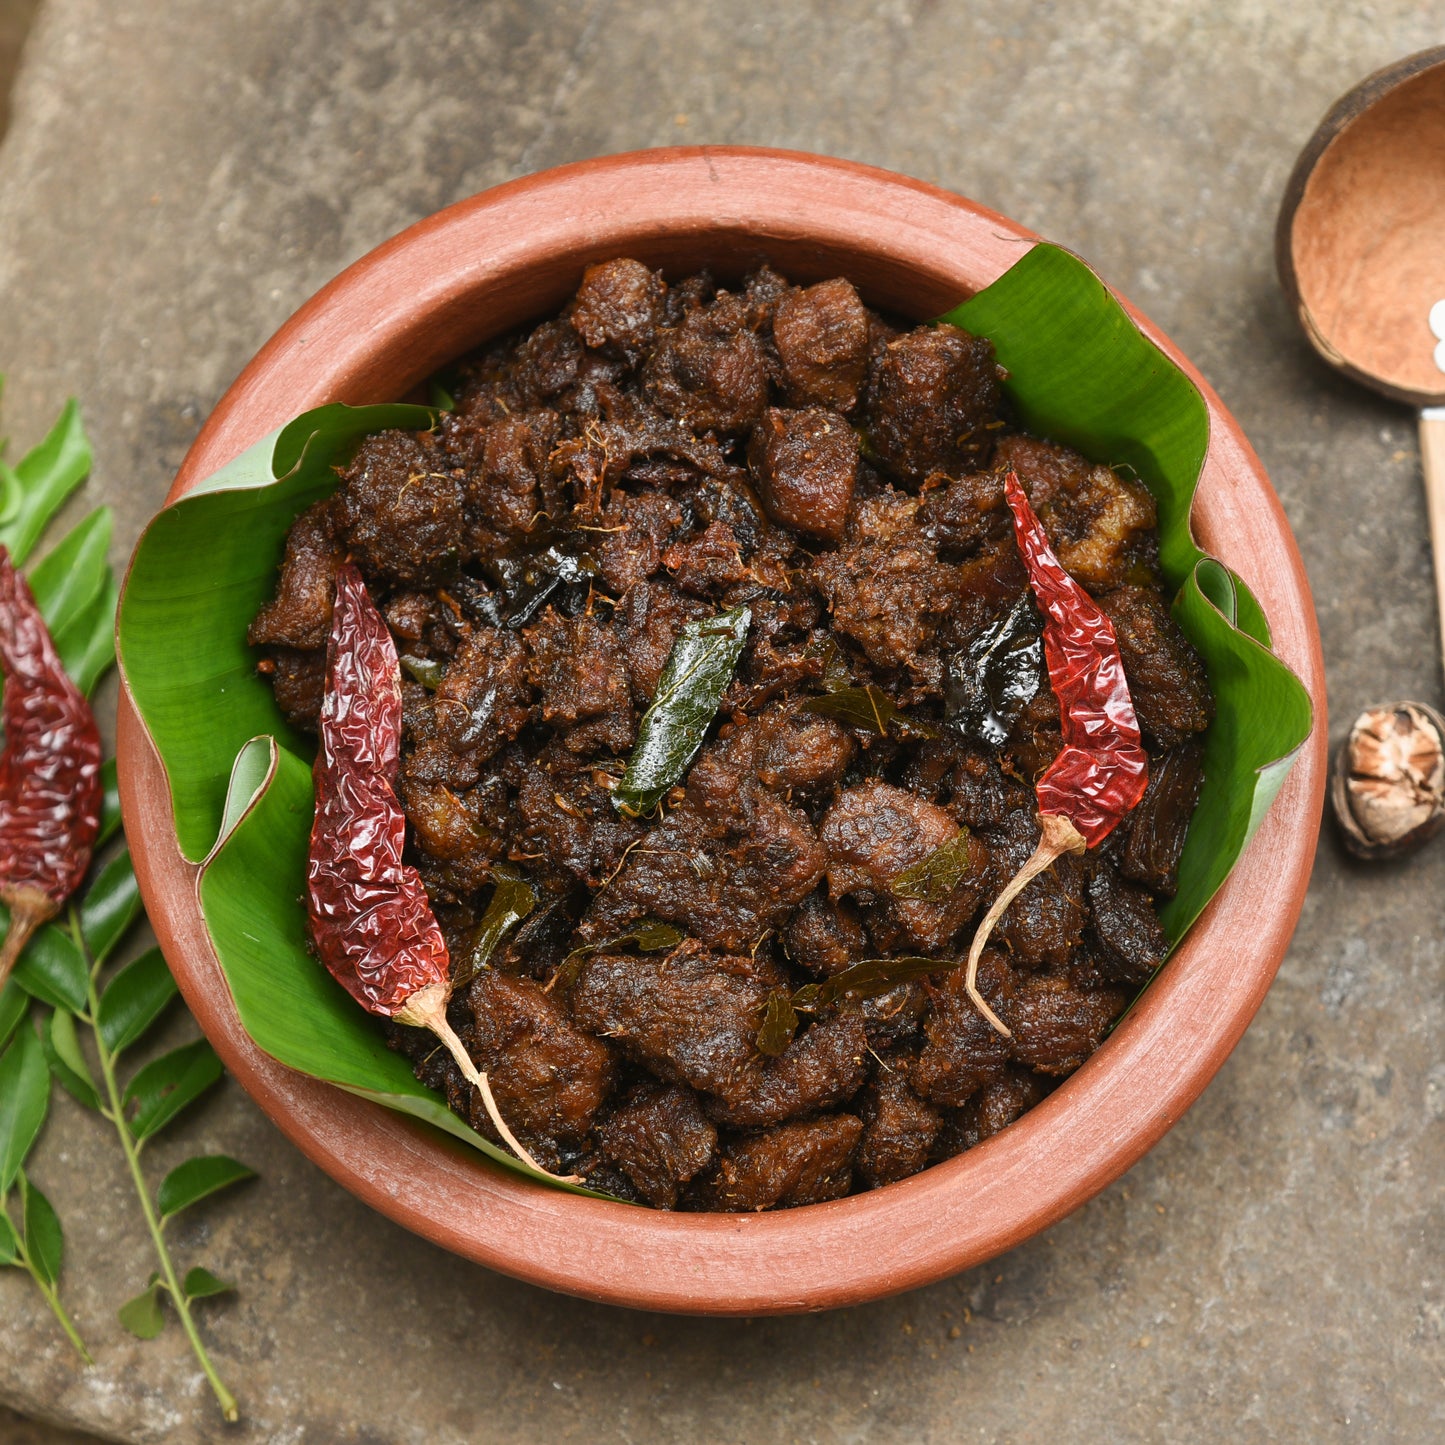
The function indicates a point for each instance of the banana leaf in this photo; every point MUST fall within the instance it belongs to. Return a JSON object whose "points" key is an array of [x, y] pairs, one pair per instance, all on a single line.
{"points": [[1080, 372]]}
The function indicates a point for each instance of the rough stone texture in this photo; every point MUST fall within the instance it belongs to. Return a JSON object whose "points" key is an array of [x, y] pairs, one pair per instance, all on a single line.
{"points": [[181, 174]]}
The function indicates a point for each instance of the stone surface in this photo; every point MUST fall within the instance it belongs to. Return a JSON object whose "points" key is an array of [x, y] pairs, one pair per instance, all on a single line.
{"points": [[180, 175]]}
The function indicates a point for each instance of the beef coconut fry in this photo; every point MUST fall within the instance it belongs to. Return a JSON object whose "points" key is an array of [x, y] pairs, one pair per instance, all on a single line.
{"points": [[724, 697]]}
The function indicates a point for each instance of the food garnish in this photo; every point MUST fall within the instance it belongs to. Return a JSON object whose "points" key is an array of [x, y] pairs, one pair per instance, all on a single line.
{"points": [[50, 786], [370, 919], [1102, 770], [694, 678]]}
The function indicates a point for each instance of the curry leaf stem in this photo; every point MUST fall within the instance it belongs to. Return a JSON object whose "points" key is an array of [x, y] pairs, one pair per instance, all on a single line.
{"points": [[130, 1147]]}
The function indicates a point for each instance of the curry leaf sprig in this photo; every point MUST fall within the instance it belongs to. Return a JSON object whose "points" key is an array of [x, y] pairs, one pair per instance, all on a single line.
{"points": [[65, 965]]}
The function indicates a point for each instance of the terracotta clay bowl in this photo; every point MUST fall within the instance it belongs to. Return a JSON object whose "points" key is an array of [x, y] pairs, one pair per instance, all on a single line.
{"points": [[514, 254]]}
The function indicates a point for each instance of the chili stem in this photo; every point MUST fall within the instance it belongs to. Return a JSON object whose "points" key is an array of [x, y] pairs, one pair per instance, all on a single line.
{"points": [[427, 1009], [29, 908], [1059, 837], [227, 1401]]}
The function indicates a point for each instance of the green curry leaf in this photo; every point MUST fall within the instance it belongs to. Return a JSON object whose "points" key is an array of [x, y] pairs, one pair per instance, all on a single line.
{"points": [[694, 678]]}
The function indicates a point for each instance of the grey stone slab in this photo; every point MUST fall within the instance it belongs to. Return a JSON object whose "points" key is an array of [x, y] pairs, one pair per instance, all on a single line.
{"points": [[180, 175]]}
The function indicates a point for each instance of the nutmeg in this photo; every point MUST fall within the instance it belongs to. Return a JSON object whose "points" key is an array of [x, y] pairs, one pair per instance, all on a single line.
{"points": [[1388, 789]]}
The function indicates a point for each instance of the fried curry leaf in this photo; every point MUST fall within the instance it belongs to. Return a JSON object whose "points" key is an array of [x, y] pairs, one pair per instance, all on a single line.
{"points": [[933, 879], [647, 933], [425, 670], [870, 710], [512, 900], [989, 683], [780, 1023], [868, 977], [860, 707], [694, 678]]}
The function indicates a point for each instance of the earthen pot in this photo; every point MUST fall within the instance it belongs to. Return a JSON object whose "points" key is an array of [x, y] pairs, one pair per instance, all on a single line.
{"points": [[514, 254]]}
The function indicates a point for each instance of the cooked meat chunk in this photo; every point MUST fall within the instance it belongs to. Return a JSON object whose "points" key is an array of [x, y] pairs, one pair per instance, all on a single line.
{"points": [[401, 517], [1056, 1026], [567, 821], [298, 680], [1166, 676], [963, 1052], [1154, 832], [874, 833], [660, 1139], [637, 527], [821, 1068], [649, 622], [854, 791], [898, 1127], [483, 701], [963, 513], [549, 1077], [931, 396], [1131, 942], [708, 370], [619, 307], [300, 614], [825, 937], [1101, 524], [794, 1164], [822, 338], [510, 489], [728, 863], [890, 595], [690, 1016], [998, 1104], [806, 465], [578, 668]]}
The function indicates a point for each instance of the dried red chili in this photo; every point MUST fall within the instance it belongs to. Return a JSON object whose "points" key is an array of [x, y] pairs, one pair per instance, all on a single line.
{"points": [[370, 919], [50, 789], [1101, 770]]}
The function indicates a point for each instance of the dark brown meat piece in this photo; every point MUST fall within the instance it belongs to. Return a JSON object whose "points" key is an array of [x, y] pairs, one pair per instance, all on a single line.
{"points": [[804, 1163], [825, 937], [689, 1016], [566, 816], [707, 563], [998, 1104], [298, 680], [649, 622], [300, 614], [889, 594], [660, 1139], [806, 465], [549, 1078], [546, 363], [1166, 675], [1056, 1026], [578, 667], [1153, 834], [820, 1069], [893, 1018], [898, 1127], [798, 752], [708, 371], [874, 833], [931, 396], [964, 1052], [1130, 941], [727, 864], [637, 527], [402, 518], [822, 338], [1101, 524], [484, 701], [964, 513], [512, 488], [451, 828], [619, 307], [1045, 923]]}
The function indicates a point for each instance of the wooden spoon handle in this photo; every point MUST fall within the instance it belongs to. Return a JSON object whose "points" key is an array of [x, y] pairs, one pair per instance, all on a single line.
{"points": [[1432, 462]]}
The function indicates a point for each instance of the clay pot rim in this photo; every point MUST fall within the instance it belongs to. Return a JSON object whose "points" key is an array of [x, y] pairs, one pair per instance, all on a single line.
{"points": [[937, 246]]}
